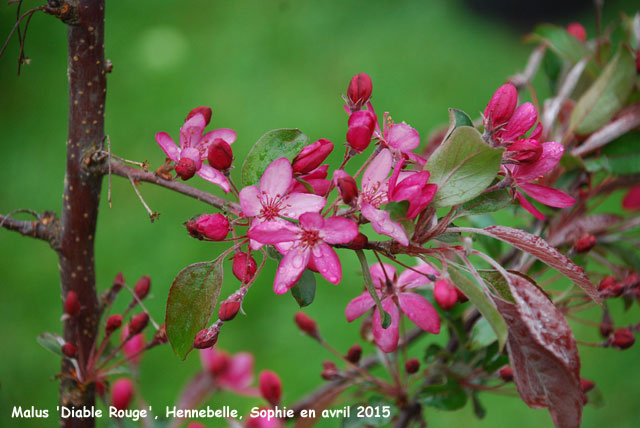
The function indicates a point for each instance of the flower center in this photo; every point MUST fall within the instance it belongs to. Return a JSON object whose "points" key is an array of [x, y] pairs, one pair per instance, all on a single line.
{"points": [[271, 206], [374, 195], [309, 238]]}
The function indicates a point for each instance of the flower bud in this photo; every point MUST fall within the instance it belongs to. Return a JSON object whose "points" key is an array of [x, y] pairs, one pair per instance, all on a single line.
{"points": [[204, 111], [113, 323], [330, 371], [142, 287], [72, 304], [213, 226], [138, 323], [118, 282], [69, 350], [609, 287], [623, 339], [346, 186], [461, 296], [361, 126], [207, 337], [220, 155], [244, 267], [630, 282], [506, 374], [195, 425], [354, 354], [186, 168], [311, 156], [524, 151], [218, 363], [412, 365], [359, 91], [444, 292], [500, 107], [586, 385], [133, 345], [160, 337], [606, 325], [577, 30], [121, 393], [270, 387], [306, 324], [523, 118], [359, 242], [585, 243], [230, 307]]}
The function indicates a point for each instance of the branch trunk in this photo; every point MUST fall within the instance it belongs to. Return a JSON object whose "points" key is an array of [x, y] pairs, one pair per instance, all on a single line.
{"points": [[87, 91]]}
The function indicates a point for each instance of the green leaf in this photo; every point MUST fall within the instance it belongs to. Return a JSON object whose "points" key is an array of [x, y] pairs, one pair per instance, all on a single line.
{"points": [[561, 42], [488, 202], [482, 302], [493, 359], [385, 317], [304, 291], [449, 396], [457, 118], [271, 146], [606, 96], [397, 210], [462, 167], [382, 412], [498, 282], [478, 408], [51, 342], [482, 335], [192, 298]]}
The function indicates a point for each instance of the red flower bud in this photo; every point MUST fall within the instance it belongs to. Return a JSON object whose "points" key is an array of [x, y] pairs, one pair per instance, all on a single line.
{"points": [[330, 371], [113, 323], [186, 168], [306, 324], [118, 282], [359, 91], [244, 267], [586, 385], [585, 243], [230, 307], [525, 151], [69, 350], [133, 346], [270, 387], [207, 337], [220, 155], [623, 339], [161, 335], [72, 304], [359, 242], [205, 111], [412, 365], [631, 201], [638, 60], [346, 186], [142, 287], [311, 156], [121, 393], [501, 107], [213, 226], [138, 323], [506, 373], [445, 293], [609, 287], [577, 30], [361, 126], [354, 353], [631, 281]]}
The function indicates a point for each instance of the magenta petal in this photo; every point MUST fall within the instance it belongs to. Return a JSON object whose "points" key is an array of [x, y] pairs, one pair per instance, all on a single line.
{"points": [[386, 339], [239, 373], [290, 269], [522, 120], [420, 311], [382, 223], [250, 201], [529, 206], [378, 274], [376, 173], [311, 221], [296, 204], [214, 176], [192, 154], [276, 178], [274, 232], [338, 230], [548, 195], [327, 262], [411, 279], [359, 306], [168, 146], [403, 137], [551, 154], [228, 135]]}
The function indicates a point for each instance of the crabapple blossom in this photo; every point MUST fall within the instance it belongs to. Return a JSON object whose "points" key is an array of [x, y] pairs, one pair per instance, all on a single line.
{"points": [[121, 393], [361, 124], [311, 156], [231, 372], [359, 91], [500, 107]]}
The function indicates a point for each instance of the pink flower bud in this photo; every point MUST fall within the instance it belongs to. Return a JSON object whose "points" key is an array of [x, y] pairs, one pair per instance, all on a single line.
{"points": [[204, 111], [638, 60], [113, 323], [412, 365], [118, 282], [195, 425], [501, 106], [306, 324], [72, 304], [186, 168], [523, 118], [506, 374], [445, 293], [213, 226], [220, 154], [359, 242], [270, 387], [330, 371], [218, 363], [230, 307], [359, 91], [69, 350], [361, 126], [631, 201], [524, 151], [244, 267], [609, 287], [207, 337], [138, 323], [586, 385], [354, 353], [346, 186], [134, 346], [142, 287], [623, 339], [311, 156], [585, 243], [121, 393], [577, 30]]}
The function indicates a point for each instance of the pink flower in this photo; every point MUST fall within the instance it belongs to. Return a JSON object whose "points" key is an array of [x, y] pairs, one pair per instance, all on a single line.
{"points": [[231, 372], [445, 293], [520, 123], [524, 174], [316, 178], [311, 156], [132, 349], [270, 387], [263, 421], [213, 226], [346, 185], [305, 244], [121, 393], [501, 107], [359, 91], [577, 30], [401, 139], [194, 148], [413, 188], [362, 123], [396, 297]]}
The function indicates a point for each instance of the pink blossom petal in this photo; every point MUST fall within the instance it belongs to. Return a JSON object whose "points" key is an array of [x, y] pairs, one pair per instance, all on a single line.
{"points": [[529, 206], [551, 154], [547, 195], [296, 204], [378, 274], [537, 132], [214, 176], [327, 263], [168, 146], [290, 269], [631, 201], [378, 170], [420, 311], [522, 120], [239, 373], [382, 223], [276, 178], [338, 230], [403, 137], [228, 135], [386, 339], [192, 154], [311, 221], [415, 158], [411, 279], [191, 131], [274, 232], [359, 306], [250, 201]]}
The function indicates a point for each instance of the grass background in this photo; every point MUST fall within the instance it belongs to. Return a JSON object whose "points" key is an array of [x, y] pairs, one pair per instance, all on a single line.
{"points": [[260, 65]]}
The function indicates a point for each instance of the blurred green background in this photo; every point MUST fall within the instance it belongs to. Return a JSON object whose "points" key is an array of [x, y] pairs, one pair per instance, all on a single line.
{"points": [[260, 65]]}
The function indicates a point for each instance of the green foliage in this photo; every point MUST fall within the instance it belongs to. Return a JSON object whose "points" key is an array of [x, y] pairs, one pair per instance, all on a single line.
{"points": [[304, 291], [447, 396]]}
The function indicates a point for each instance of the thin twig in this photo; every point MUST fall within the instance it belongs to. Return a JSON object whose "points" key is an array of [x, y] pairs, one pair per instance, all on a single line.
{"points": [[152, 215]]}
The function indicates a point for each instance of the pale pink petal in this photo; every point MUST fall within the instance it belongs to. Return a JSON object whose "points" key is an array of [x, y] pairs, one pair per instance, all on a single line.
{"points": [[228, 135], [191, 131], [327, 263], [276, 178], [551, 154], [378, 274], [290, 269], [214, 176], [415, 158], [420, 311], [296, 204], [403, 137], [338, 230], [547, 195], [239, 373], [168, 146], [529, 206], [386, 339], [411, 279], [273, 232], [250, 201], [359, 306], [382, 223], [311, 221], [378, 170]]}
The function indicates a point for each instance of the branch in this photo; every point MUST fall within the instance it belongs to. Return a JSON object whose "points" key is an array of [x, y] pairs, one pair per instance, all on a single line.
{"points": [[45, 227], [123, 170]]}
